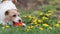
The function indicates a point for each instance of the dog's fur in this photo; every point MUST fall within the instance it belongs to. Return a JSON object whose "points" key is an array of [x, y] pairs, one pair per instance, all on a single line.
{"points": [[8, 12]]}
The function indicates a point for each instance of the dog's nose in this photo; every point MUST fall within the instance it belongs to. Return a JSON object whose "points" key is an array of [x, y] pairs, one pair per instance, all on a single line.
{"points": [[19, 20]]}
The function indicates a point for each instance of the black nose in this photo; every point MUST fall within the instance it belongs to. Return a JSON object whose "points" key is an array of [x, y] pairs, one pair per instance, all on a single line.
{"points": [[13, 22], [19, 20]]}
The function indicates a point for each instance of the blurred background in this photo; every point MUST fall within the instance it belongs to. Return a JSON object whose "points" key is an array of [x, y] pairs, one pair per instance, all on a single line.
{"points": [[36, 4]]}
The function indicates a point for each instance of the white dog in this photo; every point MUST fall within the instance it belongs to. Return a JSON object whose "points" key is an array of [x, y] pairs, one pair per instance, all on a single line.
{"points": [[8, 12]]}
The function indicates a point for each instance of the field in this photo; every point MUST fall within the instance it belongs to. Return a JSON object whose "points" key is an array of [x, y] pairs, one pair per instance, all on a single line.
{"points": [[38, 22]]}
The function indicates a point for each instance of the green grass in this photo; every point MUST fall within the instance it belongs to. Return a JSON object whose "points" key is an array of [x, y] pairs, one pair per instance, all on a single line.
{"points": [[22, 30]]}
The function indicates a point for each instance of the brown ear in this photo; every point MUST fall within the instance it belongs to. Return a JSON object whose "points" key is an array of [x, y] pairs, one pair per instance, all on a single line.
{"points": [[2, 0], [14, 1], [6, 13]]}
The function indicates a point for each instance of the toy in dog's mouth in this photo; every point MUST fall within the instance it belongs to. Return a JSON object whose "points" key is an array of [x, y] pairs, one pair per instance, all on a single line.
{"points": [[17, 24]]}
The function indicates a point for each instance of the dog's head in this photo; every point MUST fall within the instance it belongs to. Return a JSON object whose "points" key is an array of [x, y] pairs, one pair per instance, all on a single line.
{"points": [[12, 15]]}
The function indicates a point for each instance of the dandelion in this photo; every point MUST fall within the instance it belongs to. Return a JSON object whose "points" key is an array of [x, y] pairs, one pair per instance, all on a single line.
{"points": [[7, 26], [50, 28], [48, 14], [41, 13], [56, 25], [30, 16], [45, 25], [39, 20], [31, 26], [35, 23], [44, 18], [50, 11], [28, 29], [35, 20], [59, 21], [41, 28]]}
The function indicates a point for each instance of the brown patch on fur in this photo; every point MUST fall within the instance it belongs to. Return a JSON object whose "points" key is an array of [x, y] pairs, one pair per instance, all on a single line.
{"points": [[2, 0], [6, 13], [14, 1]]}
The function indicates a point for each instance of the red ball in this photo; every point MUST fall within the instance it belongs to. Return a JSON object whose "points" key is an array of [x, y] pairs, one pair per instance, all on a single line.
{"points": [[17, 24]]}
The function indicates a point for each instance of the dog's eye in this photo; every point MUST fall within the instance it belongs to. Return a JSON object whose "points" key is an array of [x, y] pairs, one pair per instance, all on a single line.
{"points": [[14, 15]]}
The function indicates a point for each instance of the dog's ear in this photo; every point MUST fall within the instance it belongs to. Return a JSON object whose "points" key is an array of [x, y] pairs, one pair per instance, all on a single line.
{"points": [[2, 0], [7, 13], [14, 1]]}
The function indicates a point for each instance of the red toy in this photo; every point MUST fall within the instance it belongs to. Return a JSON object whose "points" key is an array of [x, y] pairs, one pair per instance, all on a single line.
{"points": [[17, 24]]}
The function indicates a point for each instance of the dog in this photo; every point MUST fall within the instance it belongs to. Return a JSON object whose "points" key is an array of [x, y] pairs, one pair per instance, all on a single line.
{"points": [[9, 13]]}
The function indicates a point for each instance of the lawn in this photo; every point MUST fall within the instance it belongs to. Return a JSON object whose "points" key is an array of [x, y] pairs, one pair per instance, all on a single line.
{"points": [[37, 21]]}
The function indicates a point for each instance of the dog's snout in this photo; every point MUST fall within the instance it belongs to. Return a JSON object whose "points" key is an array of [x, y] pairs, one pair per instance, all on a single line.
{"points": [[19, 20]]}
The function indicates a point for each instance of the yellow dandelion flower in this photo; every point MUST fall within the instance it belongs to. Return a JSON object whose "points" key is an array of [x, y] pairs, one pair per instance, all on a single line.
{"points": [[31, 26], [39, 20], [44, 18], [35, 20], [48, 14], [50, 11], [41, 28], [56, 25], [50, 28], [34, 23], [45, 25], [7, 26], [28, 27], [59, 21], [41, 13], [30, 16]]}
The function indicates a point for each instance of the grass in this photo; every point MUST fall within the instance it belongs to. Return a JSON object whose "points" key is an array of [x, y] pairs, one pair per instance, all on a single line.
{"points": [[18, 30], [36, 24]]}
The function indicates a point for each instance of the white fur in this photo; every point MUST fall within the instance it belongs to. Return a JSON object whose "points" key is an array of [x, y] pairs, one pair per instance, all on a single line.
{"points": [[6, 5]]}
